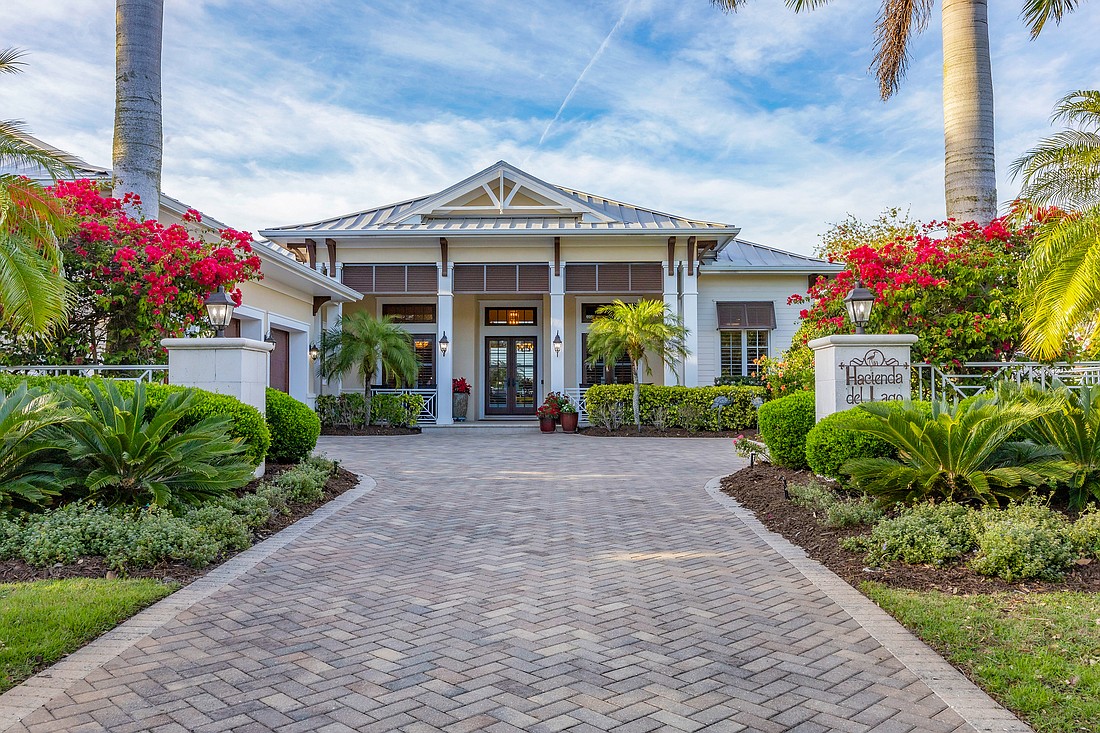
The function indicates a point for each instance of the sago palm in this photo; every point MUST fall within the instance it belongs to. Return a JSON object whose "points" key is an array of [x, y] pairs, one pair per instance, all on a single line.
{"points": [[970, 176], [362, 342], [29, 447], [33, 294], [1060, 281], [636, 330], [956, 453]]}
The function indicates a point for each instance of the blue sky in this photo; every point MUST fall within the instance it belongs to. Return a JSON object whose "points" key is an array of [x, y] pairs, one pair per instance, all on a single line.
{"points": [[279, 111]]}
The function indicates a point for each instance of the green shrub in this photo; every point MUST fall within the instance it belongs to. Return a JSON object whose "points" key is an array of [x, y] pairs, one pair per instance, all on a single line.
{"points": [[681, 407], [1026, 540], [1085, 534], [220, 527], [305, 482], [813, 495], [784, 424], [349, 410], [153, 536], [834, 510], [402, 410], [254, 509], [11, 538], [838, 438], [294, 427], [932, 534]]}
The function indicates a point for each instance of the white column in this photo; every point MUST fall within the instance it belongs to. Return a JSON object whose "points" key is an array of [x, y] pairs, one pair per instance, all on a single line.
{"points": [[672, 300], [691, 323], [331, 315], [444, 371], [557, 328]]}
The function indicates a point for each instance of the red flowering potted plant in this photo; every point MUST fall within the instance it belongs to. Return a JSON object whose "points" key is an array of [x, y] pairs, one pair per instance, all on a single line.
{"points": [[568, 414], [460, 399], [548, 414]]}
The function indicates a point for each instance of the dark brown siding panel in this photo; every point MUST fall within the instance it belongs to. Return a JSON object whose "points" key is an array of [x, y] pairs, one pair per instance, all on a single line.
{"points": [[469, 278], [580, 278], [614, 277], [534, 278], [360, 277], [746, 315], [423, 279], [760, 315], [501, 279], [646, 278], [389, 278]]}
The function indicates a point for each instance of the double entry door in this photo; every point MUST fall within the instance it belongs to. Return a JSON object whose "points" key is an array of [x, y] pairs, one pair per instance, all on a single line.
{"points": [[512, 374]]}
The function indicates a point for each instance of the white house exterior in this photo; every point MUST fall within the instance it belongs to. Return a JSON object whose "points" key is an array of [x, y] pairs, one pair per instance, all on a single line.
{"points": [[508, 267]]}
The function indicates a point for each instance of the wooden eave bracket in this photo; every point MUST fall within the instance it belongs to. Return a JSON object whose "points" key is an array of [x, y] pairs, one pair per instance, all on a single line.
{"points": [[318, 301], [443, 254], [692, 254], [557, 256], [331, 245], [311, 250], [671, 256]]}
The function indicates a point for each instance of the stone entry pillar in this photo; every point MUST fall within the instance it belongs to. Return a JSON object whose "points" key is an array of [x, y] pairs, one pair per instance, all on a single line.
{"points": [[853, 369]]}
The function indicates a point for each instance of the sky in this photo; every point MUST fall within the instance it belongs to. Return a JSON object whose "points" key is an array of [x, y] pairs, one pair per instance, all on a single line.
{"points": [[281, 111]]}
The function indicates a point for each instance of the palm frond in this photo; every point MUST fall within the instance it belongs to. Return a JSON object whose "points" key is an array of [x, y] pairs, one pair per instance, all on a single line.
{"points": [[1036, 13], [34, 297], [897, 23]]}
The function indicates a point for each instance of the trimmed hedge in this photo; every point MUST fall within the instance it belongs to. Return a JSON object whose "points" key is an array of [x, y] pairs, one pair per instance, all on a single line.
{"points": [[246, 421], [838, 439], [294, 427], [685, 407], [348, 410], [784, 425]]}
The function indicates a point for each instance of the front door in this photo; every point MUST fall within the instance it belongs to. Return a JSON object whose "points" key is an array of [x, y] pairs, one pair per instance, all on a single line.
{"points": [[512, 375]]}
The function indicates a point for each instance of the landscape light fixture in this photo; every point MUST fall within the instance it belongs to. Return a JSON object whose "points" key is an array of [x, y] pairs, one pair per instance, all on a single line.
{"points": [[557, 344], [859, 303], [219, 310], [444, 344]]}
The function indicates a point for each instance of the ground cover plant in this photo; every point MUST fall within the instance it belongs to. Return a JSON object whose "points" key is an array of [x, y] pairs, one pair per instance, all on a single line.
{"points": [[41, 622]]}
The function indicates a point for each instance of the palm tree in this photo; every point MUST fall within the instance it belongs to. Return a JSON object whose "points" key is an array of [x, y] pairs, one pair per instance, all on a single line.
{"points": [[33, 291], [636, 330], [1060, 281], [139, 137], [361, 341], [970, 180]]}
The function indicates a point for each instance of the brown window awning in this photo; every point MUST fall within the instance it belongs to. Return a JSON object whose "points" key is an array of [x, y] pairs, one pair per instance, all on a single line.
{"points": [[746, 315]]}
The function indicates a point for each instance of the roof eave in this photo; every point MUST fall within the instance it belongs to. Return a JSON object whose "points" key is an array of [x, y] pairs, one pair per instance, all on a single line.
{"points": [[279, 234]]}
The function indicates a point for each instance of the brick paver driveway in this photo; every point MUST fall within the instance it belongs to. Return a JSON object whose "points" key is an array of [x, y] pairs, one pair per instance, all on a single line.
{"points": [[513, 582]]}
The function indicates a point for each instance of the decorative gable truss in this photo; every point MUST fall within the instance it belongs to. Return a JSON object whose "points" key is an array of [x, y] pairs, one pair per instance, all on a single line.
{"points": [[505, 192]]}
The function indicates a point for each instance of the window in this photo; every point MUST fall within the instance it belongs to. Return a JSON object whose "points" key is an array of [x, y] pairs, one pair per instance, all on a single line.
{"points": [[589, 311], [601, 373], [510, 317], [410, 312], [740, 349], [424, 348]]}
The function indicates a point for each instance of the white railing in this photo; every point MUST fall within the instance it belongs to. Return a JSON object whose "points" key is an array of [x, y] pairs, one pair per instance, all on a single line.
{"points": [[931, 382], [427, 412], [577, 394], [125, 372]]}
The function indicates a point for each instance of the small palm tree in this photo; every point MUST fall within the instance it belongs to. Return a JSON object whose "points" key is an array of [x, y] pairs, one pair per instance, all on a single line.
{"points": [[29, 445], [362, 342], [1059, 279], [33, 292], [636, 330]]}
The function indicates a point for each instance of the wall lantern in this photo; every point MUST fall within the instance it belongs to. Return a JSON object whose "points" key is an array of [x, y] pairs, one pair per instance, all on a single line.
{"points": [[859, 303], [314, 352], [557, 344], [219, 310], [444, 344], [269, 339]]}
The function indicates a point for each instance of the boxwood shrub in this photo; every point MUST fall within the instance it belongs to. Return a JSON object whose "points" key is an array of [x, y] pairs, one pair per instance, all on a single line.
{"points": [[294, 427], [784, 425], [837, 439], [348, 410], [247, 422], [679, 403]]}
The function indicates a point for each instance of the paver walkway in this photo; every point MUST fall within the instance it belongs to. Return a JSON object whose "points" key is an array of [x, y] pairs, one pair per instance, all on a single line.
{"points": [[513, 583]]}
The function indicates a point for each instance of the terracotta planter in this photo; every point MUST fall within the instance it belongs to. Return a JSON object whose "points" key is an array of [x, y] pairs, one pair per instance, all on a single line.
{"points": [[547, 424], [460, 403], [569, 422]]}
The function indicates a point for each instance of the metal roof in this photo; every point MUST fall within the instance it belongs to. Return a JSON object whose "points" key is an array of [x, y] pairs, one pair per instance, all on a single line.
{"points": [[740, 255], [586, 214]]}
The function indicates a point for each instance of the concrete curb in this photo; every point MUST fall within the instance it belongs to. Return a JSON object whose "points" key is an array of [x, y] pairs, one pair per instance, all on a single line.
{"points": [[23, 699], [964, 697]]}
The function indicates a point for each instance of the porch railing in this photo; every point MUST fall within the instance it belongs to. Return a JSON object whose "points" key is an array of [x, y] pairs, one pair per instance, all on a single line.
{"points": [[427, 414], [126, 372], [931, 382], [577, 394]]}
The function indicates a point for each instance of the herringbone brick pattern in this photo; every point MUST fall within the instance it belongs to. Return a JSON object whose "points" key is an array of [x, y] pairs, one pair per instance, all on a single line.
{"points": [[513, 583]]}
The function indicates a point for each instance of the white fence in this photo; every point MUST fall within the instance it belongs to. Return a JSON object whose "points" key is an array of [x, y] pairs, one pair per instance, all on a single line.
{"points": [[577, 394], [126, 372], [931, 382]]}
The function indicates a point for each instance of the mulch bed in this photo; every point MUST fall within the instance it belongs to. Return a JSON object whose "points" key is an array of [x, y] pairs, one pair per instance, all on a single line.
{"points": [[13, 571], [760, 490], [649, 431], [372, 430]]}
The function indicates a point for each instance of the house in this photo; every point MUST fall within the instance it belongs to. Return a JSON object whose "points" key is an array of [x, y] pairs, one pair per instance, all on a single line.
{"points": [[283, 306], [499, 277]]}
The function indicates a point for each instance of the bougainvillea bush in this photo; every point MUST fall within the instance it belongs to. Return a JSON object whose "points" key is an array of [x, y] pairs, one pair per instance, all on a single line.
{"points": [[953, 286], [135, 282]]}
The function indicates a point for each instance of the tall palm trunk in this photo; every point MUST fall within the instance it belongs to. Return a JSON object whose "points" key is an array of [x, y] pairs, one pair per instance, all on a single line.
{"points": [[637, 397], [368, 377], [138, 142], [970, 175]]}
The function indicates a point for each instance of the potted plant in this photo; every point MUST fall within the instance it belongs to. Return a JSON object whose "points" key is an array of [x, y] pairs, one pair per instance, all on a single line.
{"points": [[548, 413], [568, 414], [460, 399]]}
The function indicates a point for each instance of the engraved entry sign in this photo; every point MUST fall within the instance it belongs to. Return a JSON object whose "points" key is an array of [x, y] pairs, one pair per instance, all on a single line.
{"points": [[875, 378]]}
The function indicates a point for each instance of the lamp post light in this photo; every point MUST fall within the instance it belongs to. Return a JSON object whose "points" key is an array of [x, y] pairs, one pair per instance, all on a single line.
{"points": [[858, 304], [557, 344], [219, 310], [444, 344]]}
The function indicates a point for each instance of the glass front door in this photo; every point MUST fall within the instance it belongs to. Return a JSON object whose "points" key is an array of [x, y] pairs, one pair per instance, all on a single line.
{"points": [[512, 375]]}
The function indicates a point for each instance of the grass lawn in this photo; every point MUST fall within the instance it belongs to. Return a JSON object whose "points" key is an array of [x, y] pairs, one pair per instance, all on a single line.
{"points": [[1038, 655], [44, 620]]}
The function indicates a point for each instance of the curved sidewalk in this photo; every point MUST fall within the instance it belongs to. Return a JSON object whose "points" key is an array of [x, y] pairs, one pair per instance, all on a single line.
{"points": [[514, 583]]}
